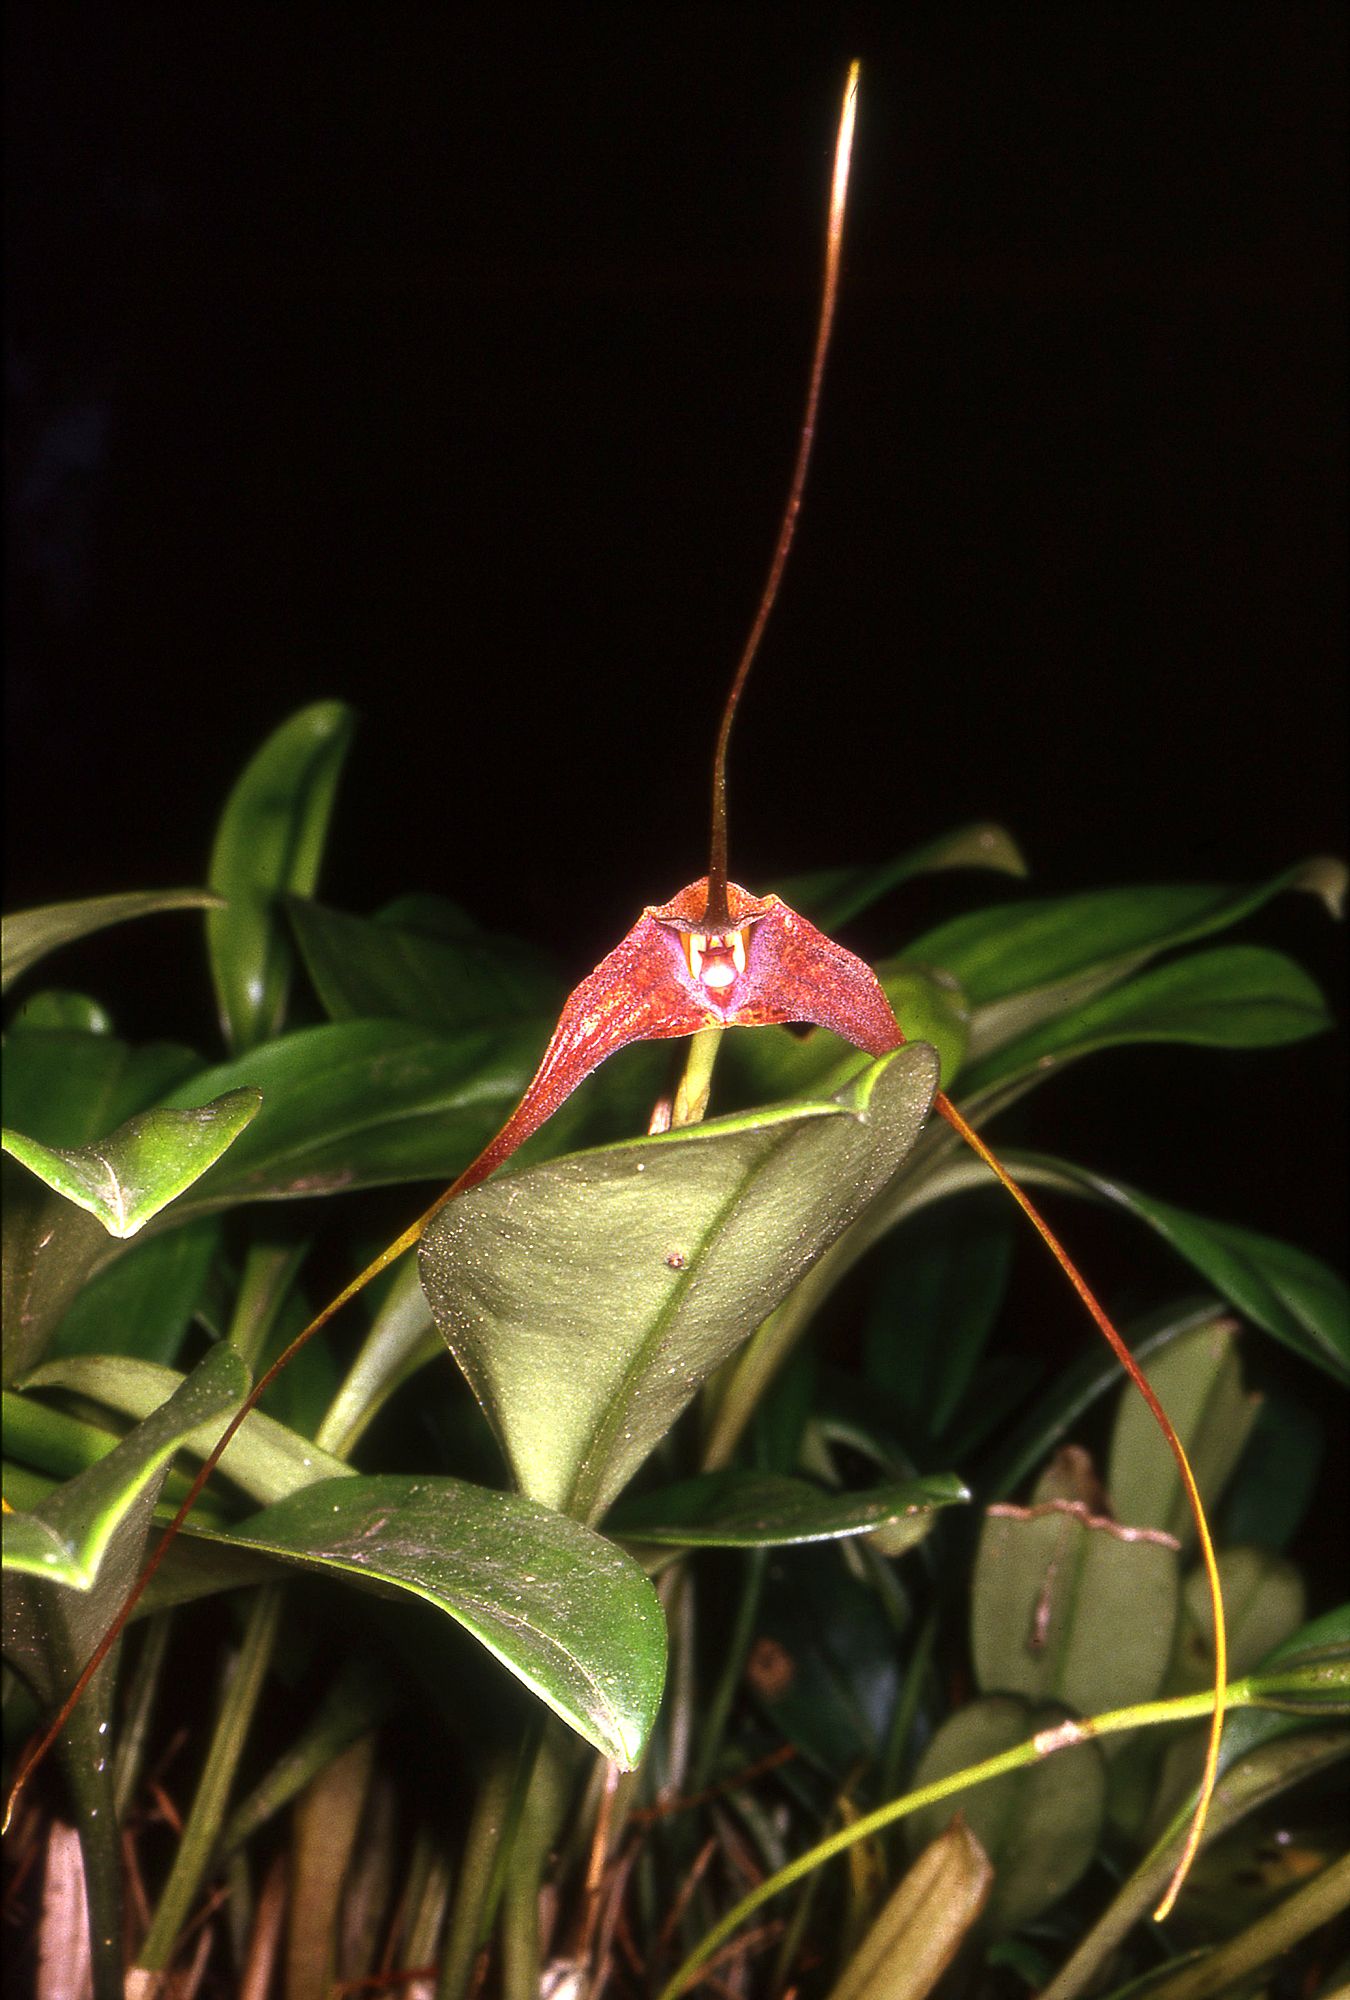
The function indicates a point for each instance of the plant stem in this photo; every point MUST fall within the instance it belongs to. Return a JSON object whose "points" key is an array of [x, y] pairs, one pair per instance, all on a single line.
{"points": [[487, 1852], [695, 1085], [204, 1822]]}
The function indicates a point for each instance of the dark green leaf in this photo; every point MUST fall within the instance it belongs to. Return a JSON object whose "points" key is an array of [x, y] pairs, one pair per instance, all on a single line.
{"points": [[832, 896], [1023, 963], [824, 1666], [934, 1309], [739, 1509], [1235, 997], [29, 935], [564, 1610], [139, 1169], [1293, 1296], [1277, 1475], [144, 1303], [361, 1103], [55, 1008], [270, 839], [67, 1087], [586, 1299], [369, 968]]}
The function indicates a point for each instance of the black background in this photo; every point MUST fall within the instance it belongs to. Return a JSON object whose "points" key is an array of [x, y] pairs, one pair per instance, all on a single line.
{"points": [[449, 361]]}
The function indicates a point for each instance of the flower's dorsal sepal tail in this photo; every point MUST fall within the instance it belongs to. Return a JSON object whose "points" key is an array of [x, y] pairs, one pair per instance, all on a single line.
{"points": [[675, 973]]}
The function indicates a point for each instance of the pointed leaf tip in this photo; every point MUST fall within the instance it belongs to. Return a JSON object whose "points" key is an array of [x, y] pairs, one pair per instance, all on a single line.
{"points": [[126, 1179]]}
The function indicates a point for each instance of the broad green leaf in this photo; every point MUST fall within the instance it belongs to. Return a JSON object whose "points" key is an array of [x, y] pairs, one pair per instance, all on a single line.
{"points": [[1291, 1295], [368, 968], [740, 1509], [774, 1063], [1039, 1826], [832, 896], [923, 1922], [139, 1169], [270, 839], [562, 1608], [143, 1304], [1069, 1607], [268, 1461], [1233, 997], [1020, 964], [361, 1103], [587, 1299], [86, 1512], [29, 935], [1198, 1381]]}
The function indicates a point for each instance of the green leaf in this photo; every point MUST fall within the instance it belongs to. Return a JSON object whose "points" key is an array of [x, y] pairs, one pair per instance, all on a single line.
{"points": [[1069, 1607], [362, 1103], [266, 1459], [587, 1299], [923, 1922], [1020, 964], [50, 1252], [1233, 997], [824, 1667], [144, 1303], [564, 1610], [83, 1515], [60, 1010], [1308, 1673], [29, 935], [1198, 1381], [832, 896], [1291, 1295], [1277, 1475], [91, 1535], [67, 1087], [739, 1509], [144, 1165], [1039, 1826], [368, 968], [270, 839]]}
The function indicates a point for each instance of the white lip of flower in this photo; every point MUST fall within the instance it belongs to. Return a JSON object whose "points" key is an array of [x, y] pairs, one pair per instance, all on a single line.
{"points": [[719, 975]]}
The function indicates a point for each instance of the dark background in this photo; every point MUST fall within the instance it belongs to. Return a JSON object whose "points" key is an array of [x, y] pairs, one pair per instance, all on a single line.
{"points": [[450, 362]]}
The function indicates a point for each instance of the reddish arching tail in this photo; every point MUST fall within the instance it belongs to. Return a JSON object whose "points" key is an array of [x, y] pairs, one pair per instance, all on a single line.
{"points": [[1127, 1361]]}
